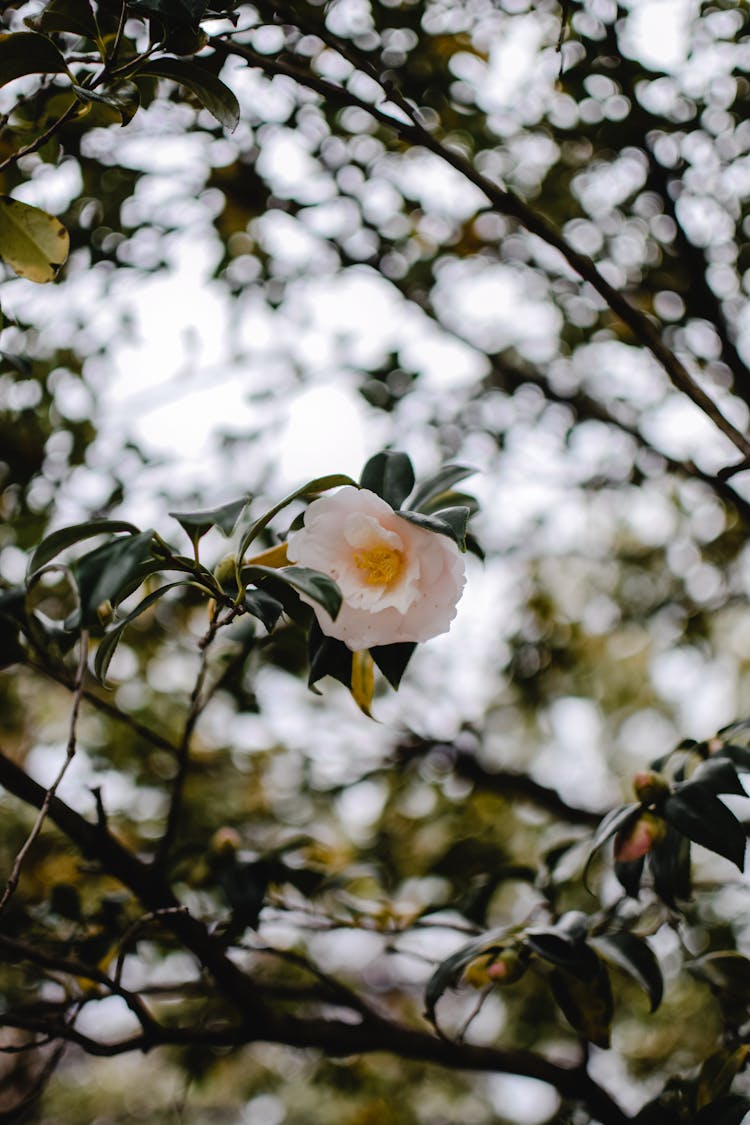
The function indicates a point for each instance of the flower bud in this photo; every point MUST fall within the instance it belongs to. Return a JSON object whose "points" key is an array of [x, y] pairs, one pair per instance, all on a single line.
{"points": [[636, 841], [225, 842], [507, 968], [650, 787], [226, 573]]}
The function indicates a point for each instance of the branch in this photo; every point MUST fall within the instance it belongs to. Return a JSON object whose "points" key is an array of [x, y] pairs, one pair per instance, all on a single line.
{"points": [[49, 795], [505, 202]]}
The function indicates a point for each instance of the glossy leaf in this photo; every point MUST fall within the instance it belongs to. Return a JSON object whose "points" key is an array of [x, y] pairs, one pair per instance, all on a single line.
{"points": [[669, 864], [53, 544], [738, 755], [448, 972], [315, 585], [174, 13], [33, 243], [102, 573], [450, 521], [392, 660], [210, 91], [263, 606], [635, 956], [390, 475], [629, 875], [702, 817], [585, 1001], [26, 52], [731, 1110], [110, 640], [436, 485], [225, 517], [717, 775], [328, 657], [73, 16], [312, 488], [123, 97], [616, 820], [717, 1074]]}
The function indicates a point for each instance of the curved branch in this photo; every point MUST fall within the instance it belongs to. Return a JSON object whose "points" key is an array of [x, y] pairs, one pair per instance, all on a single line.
{"points": [[505, 202]]}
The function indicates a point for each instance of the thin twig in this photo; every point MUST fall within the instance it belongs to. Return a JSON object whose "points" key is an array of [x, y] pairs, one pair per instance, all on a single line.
{"points": [[69, 755], [505, 202]]}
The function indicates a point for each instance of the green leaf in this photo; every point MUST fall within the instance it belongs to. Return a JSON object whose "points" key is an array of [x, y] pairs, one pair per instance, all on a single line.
{"points": [[564, 945], [312, 488], [669, 864], [393, 659], [110, 640], [123, 97], [717, 775], [389, 474], [725, 971], [451, 522], [731, 1110], [12, 616], [637, 958], [210, 91], [328, 657], [448, 972], [25, 52], [174, 13], [312, 583], [53, 544], [738, 755], [101, 574], [629, 875], [586, 1002], [702, 817], [438, 484], [718, 1073], [73, 16], [264, 607], [225, 517], [615, 820], [33, 243]]}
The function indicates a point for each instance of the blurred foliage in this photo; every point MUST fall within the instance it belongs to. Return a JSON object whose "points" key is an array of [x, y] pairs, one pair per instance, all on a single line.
{"points": [[451, 850]]}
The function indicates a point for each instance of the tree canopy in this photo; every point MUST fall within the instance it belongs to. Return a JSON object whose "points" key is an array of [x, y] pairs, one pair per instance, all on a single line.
{"points": [[260, 866]]}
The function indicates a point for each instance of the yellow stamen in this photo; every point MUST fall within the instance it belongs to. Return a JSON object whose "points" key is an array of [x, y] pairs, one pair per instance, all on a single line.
{"points": [[381, 565]]}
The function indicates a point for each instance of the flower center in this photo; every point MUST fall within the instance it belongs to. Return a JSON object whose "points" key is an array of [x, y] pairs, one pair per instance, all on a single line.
{"points": [[380, 566]]}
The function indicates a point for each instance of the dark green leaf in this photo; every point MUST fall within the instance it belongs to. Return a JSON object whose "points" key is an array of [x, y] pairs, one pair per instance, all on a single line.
{"points": [[448, 972], [25, 52], [436, 485], [702, 817], [123, 97], [556, 948], [738, 755], [111, 639], [731, 1110], [390, 475], [451, 522], [724, 971], [629, 875], [328, 657], [620, 818], [717, 775], [637, 958], [266, 608], [312, 583], [174, 13], [312, 488], [53, 544], [586, 1002], [225, 517], [392, 660], [102, 573], [669, 864], [73, 16], [210, 91], [718, 1073], [245, 886]]}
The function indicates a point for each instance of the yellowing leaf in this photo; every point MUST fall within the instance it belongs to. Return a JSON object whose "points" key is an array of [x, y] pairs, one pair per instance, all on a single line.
{"points": [[33, 243], [363, 680], [274, 556]]}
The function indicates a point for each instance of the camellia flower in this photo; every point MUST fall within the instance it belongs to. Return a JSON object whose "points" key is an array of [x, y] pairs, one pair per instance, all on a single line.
{"points": [[399, 582]]}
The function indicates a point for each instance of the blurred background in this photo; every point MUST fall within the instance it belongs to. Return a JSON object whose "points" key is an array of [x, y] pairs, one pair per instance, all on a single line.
{"points": [[243, 312]]}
